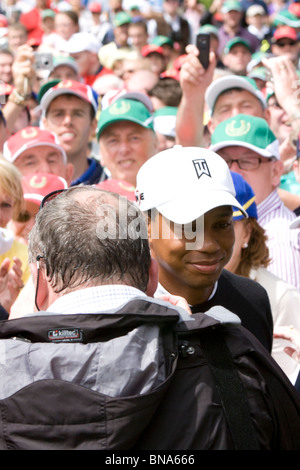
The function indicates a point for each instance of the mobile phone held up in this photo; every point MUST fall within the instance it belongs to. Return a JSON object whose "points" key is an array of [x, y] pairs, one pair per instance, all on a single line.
{"points": [[203, 45]]}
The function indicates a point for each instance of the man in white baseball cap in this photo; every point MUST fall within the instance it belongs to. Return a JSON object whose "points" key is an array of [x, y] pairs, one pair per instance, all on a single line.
{"points": [[189, 195]]}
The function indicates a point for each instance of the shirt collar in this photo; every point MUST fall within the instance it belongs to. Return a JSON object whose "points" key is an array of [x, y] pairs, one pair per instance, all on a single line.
{"points": [[94, 299]]}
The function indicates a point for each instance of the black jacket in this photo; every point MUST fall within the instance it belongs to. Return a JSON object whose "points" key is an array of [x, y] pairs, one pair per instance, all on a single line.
{"points": [[50, 399], [248, 300]]}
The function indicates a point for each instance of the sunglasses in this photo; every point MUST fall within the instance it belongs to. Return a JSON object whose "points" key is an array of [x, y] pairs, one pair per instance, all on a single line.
{"points": [[286, 43], [49, 197]]}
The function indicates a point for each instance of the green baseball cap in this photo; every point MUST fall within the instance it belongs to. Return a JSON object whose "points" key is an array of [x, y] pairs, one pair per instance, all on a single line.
{"points": [[125, 110], [231, 5], [162, 41], [122, 18], [285, 17], [246, 131], [209, 29], [258, 72], [234, 41]]}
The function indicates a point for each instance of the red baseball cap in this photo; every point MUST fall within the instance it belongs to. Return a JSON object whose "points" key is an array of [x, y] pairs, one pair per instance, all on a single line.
{"points": [[171, 73], [152, 48], [120, 187], [37, 186], [70, 87], [30, 137], [285, 32], [95, 7], [295, 8]]}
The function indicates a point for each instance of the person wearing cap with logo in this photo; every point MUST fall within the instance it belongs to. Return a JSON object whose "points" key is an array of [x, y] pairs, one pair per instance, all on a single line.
{"points": [[237, 55], [222, 98], [33, 150], [250, 148], [69, 110], [191, 235], [250, 258], [126, 138]]}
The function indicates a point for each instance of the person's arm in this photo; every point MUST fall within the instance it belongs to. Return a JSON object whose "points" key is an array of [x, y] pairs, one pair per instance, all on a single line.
{"points": [[194, 80], [23, 77]]}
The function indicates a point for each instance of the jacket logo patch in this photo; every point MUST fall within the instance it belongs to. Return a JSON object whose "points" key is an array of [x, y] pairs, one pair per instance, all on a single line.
{"points": [[65, 334], [201, 167]]}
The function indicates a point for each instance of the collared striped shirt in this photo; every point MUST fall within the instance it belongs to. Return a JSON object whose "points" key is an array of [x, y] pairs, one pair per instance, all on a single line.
{"points": [[283, 242], [94, 299]]}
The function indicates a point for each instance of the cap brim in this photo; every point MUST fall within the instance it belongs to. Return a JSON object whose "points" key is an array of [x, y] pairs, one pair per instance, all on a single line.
{"points": [[236, 143], [51, 94], [226, 83], [181, 211], [296, 223], [36, 144], [123, 118]]}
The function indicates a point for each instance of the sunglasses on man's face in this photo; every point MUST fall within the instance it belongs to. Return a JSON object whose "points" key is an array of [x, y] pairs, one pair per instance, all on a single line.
{"points": [[49, 197], [285, 43]]}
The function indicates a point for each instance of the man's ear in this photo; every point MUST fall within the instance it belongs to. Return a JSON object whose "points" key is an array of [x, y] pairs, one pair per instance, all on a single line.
{"points": [[93, 127], [153, 278], [277, 171], [43, 287], [210, 126]]}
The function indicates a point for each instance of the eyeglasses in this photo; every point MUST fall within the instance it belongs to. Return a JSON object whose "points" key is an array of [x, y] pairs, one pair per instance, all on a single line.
{"points": [[38, 258], [249, 164], [288, 43], [49, 197]]}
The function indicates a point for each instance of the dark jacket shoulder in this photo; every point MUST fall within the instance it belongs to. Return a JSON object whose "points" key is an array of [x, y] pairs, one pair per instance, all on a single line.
{"points": [[248, 300]]}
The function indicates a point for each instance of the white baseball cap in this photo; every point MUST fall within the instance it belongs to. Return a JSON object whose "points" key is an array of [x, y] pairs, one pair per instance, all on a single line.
{"points": [[232, 81], [183, 183], [80, 42]]}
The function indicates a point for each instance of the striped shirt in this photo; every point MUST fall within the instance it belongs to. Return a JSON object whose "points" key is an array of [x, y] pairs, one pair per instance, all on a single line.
{"points": [[283, 243], [95, 299]]}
